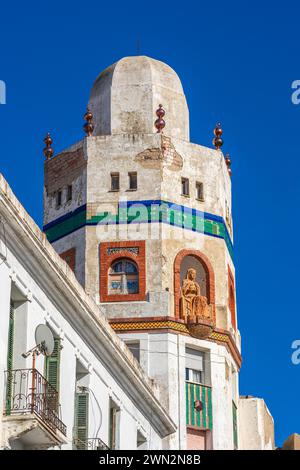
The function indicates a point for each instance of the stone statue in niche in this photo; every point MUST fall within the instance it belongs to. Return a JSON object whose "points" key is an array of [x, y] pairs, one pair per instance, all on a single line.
{"points": [[193, 305]]}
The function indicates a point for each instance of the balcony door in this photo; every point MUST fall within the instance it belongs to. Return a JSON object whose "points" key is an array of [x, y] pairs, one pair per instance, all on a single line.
{"points": [[196, 439]]}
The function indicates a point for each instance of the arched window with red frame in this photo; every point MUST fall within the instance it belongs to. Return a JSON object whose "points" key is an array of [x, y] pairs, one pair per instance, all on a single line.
{"points": [[231, 297]]}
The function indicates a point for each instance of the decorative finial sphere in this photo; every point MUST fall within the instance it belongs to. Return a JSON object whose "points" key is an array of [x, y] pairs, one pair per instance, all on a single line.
{"points": [[228, 163], [48, 150], [89, 125], [160, 123], [218, 141]]}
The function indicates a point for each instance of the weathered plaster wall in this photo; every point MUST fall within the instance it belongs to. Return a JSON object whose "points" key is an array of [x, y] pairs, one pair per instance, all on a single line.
{"points": [[162, 355], [256, 425], [125, 96], [75, 240], [66, 168]]}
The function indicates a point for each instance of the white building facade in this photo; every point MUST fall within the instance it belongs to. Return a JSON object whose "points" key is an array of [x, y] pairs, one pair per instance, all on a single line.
{"points": [[91, 392]]}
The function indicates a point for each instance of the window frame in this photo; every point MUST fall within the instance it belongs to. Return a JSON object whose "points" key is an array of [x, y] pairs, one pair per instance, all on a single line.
{"points": [[58, 198], [190, 377], [199, 185], [113, 175], [136, 346], [184, 181], [124, 275], [130, 175], [69, 192]]}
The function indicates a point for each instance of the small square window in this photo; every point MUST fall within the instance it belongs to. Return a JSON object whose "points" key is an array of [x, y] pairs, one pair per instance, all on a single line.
{"points": [[114, 181], [58, 198], [69, 192], [132, 180], [199, 191], [185, 187]]}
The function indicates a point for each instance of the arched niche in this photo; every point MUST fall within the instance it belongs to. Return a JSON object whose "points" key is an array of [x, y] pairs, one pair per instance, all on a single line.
{"points": [[205, 277]]}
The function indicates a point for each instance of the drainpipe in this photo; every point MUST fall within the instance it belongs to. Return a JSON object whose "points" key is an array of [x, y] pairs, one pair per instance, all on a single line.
{"points": [[179, 401]]}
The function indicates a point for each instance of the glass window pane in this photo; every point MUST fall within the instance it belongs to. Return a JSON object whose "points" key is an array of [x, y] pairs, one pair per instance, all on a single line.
{"points": [[123, 277], [132, 181], [132, 286], [185, 186], [130, 267], [196, 376], [118, 267], [115, 181]]}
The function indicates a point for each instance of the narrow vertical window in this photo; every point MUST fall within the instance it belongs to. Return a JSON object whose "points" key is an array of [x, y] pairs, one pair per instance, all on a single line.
{"points": [[199, 191], [115, 181], [58, 198], [185, 187], [194, 366], [69, 192], [132, 180]]}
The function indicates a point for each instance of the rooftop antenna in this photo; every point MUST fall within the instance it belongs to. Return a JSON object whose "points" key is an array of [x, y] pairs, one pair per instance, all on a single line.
{"points": [[44, 341]]}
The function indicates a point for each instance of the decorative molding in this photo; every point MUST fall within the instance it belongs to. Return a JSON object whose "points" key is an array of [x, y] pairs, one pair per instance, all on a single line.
{"points": [[156, 211], [123, 249], [170, 324]]}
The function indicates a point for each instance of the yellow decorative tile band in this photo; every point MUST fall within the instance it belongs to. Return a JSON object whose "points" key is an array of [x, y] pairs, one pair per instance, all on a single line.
{"points": [[120, 326]]}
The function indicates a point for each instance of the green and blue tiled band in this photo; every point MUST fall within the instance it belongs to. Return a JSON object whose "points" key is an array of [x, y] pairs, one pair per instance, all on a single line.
{"points": [[133, 212]]}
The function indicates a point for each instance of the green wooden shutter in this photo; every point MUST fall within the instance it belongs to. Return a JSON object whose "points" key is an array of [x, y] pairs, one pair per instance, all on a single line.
{"points": [[10, 347], [52, 366], [81, 419], [112, 427], [235, 430], [10, 355]]}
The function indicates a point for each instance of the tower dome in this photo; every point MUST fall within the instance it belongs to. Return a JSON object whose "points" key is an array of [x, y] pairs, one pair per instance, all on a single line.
{"points": [[126, 95]]}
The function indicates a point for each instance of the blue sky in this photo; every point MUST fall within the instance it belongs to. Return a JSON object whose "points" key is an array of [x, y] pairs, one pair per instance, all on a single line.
{"points": [[237, 61]]}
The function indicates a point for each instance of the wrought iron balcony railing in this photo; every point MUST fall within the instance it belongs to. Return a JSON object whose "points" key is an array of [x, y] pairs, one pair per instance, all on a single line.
{"points": [[27, 391], [89, 444], [198, 405]]}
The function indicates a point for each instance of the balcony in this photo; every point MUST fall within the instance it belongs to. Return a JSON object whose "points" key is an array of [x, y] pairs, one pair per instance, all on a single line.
{"points": [[31, 413], [89, 444], [198, 405]]}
